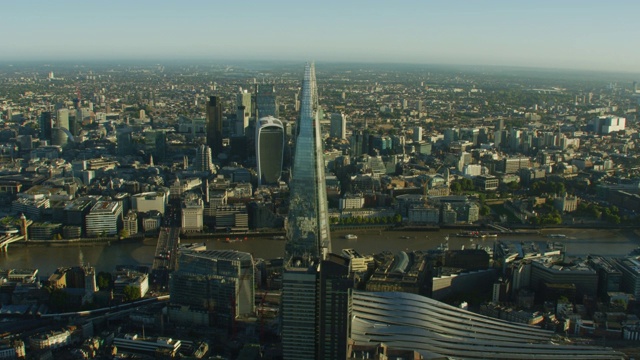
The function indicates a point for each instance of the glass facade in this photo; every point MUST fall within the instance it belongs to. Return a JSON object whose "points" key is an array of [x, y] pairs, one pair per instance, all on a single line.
{"points": [[308, 235], [270, 150]]}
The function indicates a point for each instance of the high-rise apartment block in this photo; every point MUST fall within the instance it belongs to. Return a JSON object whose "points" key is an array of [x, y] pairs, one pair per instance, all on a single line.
{"points": [[608, 124]]}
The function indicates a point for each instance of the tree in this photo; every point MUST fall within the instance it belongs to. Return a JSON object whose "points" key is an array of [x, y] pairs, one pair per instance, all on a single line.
{"points": [[485, 210], [131, 293], [103, 280]]}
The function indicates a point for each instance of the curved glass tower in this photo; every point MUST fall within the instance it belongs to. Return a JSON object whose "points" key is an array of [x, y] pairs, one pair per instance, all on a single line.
{"points": [[269, 150], [308, 235]]}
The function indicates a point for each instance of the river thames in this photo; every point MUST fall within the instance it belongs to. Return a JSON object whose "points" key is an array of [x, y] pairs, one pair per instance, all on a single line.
{"points": [[579, 242]]}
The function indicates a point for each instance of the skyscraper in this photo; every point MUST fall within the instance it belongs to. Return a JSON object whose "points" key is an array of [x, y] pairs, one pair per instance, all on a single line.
{"points": [[243, 112], [269, 150], [338, 126], [308, 238], [63, 118], [267, 101], [308, 219], [124, 144], [335, 282], [45, 125], [156, 144], [214, 124], [203, 160]]}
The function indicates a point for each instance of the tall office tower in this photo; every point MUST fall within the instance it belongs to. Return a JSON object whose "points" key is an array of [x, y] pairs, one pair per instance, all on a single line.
{"points": [[267, 101], [417, 134], [203, 160], [338, 126], [243, 112], [242, 121], [356, 143], [62, 116], [499, 125], [333, 318], [308, 225], [308, 238], [419, 106], [82, 115], [214, 124], [124, 141], [45, 126], [269, 150], [244, 99], [156, 144]]}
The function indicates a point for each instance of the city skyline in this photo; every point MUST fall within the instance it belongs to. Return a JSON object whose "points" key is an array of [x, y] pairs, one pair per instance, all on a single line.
{"points": [[586, 35]]}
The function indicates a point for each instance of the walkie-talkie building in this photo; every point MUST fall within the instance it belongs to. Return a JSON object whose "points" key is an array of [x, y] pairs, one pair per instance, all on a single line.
{"points": [[269, 150]]}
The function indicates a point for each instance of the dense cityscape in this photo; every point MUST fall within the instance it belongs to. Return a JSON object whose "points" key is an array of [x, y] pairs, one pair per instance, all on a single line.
{"points": [[210, 163]]}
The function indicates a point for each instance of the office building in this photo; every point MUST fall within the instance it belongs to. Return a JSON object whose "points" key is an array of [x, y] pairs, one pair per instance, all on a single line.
{"points": [[130, 223], [437, 330], [60, 137], [338, 126], [357, 143], [308, 225], [149, 201], [45, 125], [308, 237], [214, 124], [192, 215], [156, 144], [417, 134], [83, 116], [124, 141], [62, 118], [266, 101], [104, 219], [150, 346], [212, 287], [333, 315], [270, 143], [243, 112], [204, 161]]}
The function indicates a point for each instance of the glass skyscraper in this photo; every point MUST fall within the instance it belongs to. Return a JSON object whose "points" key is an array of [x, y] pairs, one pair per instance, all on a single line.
{"points": [[307, 229], [308, 238], [269, 150]]}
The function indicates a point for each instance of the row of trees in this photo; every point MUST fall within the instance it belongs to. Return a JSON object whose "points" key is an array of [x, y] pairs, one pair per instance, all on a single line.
{"points": [[609, 214], [361, 220]]}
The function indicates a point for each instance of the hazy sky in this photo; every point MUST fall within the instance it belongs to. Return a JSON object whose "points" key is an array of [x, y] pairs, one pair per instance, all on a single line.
{"points": [[584, 34]]}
